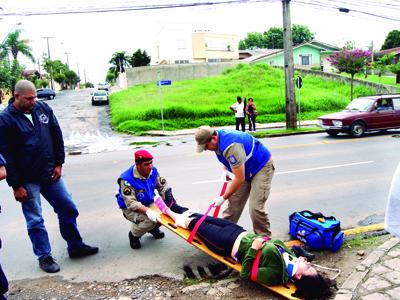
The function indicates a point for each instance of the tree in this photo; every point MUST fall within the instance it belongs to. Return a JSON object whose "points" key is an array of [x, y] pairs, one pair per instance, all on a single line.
{"points": [[62, 74], [274, 38], [14, 45], [140, 58], [396, 70], [301, 34], [119, 61], [351, 62], [392, 40], [349, 45], [382, 63]]}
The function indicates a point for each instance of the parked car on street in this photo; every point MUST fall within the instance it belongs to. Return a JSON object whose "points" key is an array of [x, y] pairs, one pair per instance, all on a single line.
{"points": [[372, 113], [45, 93], [103, 86], [99, 96]]}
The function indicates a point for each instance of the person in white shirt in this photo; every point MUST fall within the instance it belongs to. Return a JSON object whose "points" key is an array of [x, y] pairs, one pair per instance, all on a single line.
{"points": [[238, 108]]}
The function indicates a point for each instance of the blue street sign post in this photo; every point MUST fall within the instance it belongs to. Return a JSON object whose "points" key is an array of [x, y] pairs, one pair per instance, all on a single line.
{"points": [[159, 84], [299, 84]]}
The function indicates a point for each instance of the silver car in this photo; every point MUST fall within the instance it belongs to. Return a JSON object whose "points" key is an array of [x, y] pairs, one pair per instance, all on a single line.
{"points": [[99, 97]]}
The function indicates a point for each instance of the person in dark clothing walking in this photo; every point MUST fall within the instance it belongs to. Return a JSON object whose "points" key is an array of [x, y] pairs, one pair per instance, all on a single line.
{"points": [[32, 143], [251, 113]]}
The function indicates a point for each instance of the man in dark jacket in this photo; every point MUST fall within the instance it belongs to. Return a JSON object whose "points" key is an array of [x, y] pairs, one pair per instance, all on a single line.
{"points": [[3, 278], [32, 143]]}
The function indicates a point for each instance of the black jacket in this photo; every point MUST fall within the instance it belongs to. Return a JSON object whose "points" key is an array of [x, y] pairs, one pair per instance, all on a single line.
{"points": [[31, 152]]}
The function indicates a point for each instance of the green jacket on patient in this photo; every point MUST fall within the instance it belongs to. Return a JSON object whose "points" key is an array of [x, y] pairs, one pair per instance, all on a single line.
{"points": [[272, 268]]}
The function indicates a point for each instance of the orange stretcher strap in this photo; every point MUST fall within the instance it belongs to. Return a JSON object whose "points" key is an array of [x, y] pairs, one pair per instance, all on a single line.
{"points": [[254, 268]]}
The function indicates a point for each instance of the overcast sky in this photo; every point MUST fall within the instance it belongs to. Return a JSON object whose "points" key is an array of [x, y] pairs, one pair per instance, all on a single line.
{"points": [[90, 39]]}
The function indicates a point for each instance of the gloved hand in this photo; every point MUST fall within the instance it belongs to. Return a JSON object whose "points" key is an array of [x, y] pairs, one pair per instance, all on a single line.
{"points": [[218, 201], [152, 215], [226, 175]]}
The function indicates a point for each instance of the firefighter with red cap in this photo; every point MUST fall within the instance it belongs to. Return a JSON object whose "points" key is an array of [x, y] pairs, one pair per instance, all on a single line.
{"points": [[136, 194]]}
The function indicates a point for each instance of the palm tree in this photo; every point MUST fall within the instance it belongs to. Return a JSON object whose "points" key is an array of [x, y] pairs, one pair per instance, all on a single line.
{"points": [[119, 61], [15, 45]]}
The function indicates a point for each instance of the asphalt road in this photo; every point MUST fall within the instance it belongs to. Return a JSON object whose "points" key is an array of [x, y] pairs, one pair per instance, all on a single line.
{"points": [[345, 177]]}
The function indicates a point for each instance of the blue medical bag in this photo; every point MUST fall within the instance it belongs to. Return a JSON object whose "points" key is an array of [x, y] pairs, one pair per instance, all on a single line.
{"points": [[316, 230]]}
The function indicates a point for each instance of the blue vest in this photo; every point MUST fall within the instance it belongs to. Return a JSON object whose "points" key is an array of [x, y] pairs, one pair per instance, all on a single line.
{"points": [[144, 188], [257, 155]]}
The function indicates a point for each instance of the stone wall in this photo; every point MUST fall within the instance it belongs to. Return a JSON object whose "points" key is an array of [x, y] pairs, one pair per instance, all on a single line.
{"points": [[178, 72], [380, 88]]}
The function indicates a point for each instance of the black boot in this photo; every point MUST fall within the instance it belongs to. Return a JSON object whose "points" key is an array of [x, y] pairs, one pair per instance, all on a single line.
{"points": [[171, 203], [157, 233], [300, 251], [134, 241]]}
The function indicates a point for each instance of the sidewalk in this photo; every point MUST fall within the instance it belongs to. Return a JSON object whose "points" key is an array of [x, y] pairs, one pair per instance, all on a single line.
{"points": [[377, 277], [259, 126]]}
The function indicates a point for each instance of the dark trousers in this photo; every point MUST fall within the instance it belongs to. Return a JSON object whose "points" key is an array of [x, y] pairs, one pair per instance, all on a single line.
{"points": [[252, 122], [241, 122], [3, 284], [218, 234]]}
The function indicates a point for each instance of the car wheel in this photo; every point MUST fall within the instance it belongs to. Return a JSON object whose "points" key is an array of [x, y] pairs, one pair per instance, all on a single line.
{"points": [[357, 129], [332, 132], [93, 103]]}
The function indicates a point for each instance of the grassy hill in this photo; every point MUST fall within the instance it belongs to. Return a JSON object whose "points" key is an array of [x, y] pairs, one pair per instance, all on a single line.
{"points": [[191, 103]]}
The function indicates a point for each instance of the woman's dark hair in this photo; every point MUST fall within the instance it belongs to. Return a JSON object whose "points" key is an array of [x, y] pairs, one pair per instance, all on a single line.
{"points": [[313, 287]]}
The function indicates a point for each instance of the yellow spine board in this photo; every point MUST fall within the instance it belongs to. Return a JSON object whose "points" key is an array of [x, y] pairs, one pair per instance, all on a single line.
{"points": [[184, 233]]}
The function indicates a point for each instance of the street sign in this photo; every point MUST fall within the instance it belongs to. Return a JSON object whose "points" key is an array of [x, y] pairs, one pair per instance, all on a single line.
{"points": [[163, 82], [299, 82]]}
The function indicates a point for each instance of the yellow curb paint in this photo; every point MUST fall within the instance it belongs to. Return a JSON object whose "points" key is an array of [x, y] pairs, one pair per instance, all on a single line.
{"points": [[362, 229]]}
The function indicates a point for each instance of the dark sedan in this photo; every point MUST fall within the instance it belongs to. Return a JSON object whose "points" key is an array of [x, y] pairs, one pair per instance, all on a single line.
{"points": [[379, 112], [45, 93]]}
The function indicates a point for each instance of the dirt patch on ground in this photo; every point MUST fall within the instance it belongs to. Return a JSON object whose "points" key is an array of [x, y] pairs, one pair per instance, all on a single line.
{"points": [[157, 287]]}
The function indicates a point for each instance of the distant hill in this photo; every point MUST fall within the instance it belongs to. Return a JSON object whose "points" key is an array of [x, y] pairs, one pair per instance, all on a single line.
{"points": [[191, 103]]}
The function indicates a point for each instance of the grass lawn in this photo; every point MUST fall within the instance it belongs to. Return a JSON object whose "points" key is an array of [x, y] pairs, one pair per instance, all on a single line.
{"points": [[191, 103]]}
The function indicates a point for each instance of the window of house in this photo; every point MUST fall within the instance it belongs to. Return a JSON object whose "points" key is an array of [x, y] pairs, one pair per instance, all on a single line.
{"points": [[305, 60], [272, 63], [181, 61], [213, 60]]}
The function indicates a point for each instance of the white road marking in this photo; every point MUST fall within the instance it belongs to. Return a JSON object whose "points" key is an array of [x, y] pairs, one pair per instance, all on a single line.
{"points": [[299, 171]]}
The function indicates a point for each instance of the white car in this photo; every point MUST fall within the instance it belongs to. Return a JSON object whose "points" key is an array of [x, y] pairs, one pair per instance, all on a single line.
{"points": [[103, 86], [99, 96]]}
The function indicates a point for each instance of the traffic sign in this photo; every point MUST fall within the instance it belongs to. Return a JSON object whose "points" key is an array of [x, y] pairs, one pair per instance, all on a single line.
{"points": [[164, 82], [299, 82]]}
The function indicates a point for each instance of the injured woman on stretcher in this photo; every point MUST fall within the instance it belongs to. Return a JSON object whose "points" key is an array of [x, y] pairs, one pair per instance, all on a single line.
{"points": [[278, 264]]}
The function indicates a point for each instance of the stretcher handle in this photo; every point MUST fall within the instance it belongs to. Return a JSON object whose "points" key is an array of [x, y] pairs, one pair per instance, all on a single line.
{"points": [[224, 185]]}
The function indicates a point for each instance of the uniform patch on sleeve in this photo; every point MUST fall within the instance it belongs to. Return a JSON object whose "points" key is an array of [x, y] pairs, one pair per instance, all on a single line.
{"points": [[127, 191], [163, 180], [232, 159]]}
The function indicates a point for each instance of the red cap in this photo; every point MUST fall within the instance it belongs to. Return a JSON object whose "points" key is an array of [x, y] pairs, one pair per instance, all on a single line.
{"points": [[143, 155]]}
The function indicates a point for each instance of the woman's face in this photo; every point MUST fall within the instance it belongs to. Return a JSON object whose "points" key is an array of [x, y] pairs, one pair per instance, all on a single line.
{"points": [[305, 268]]}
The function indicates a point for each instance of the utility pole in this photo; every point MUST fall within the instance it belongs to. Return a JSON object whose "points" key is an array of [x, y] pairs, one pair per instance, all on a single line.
{"points": [[84, 75], [288, 67], [51, 65], [66, 53]]}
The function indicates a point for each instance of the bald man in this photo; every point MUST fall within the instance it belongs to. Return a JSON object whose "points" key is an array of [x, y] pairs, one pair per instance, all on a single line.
{"points": [[32, 143]]}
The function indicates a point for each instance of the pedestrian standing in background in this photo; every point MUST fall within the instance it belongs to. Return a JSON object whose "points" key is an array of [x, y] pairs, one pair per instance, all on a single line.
{"points": [[251, 113], [32, 143], [238, 108], [392, 216]]}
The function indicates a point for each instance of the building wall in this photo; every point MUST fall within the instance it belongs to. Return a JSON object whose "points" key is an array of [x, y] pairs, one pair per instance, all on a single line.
{"points": [[208, 45], [178, 72]]}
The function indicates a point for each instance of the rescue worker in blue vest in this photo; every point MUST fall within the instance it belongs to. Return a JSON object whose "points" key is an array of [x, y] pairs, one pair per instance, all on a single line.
{"points": [[253, 168], [136, 194]]}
